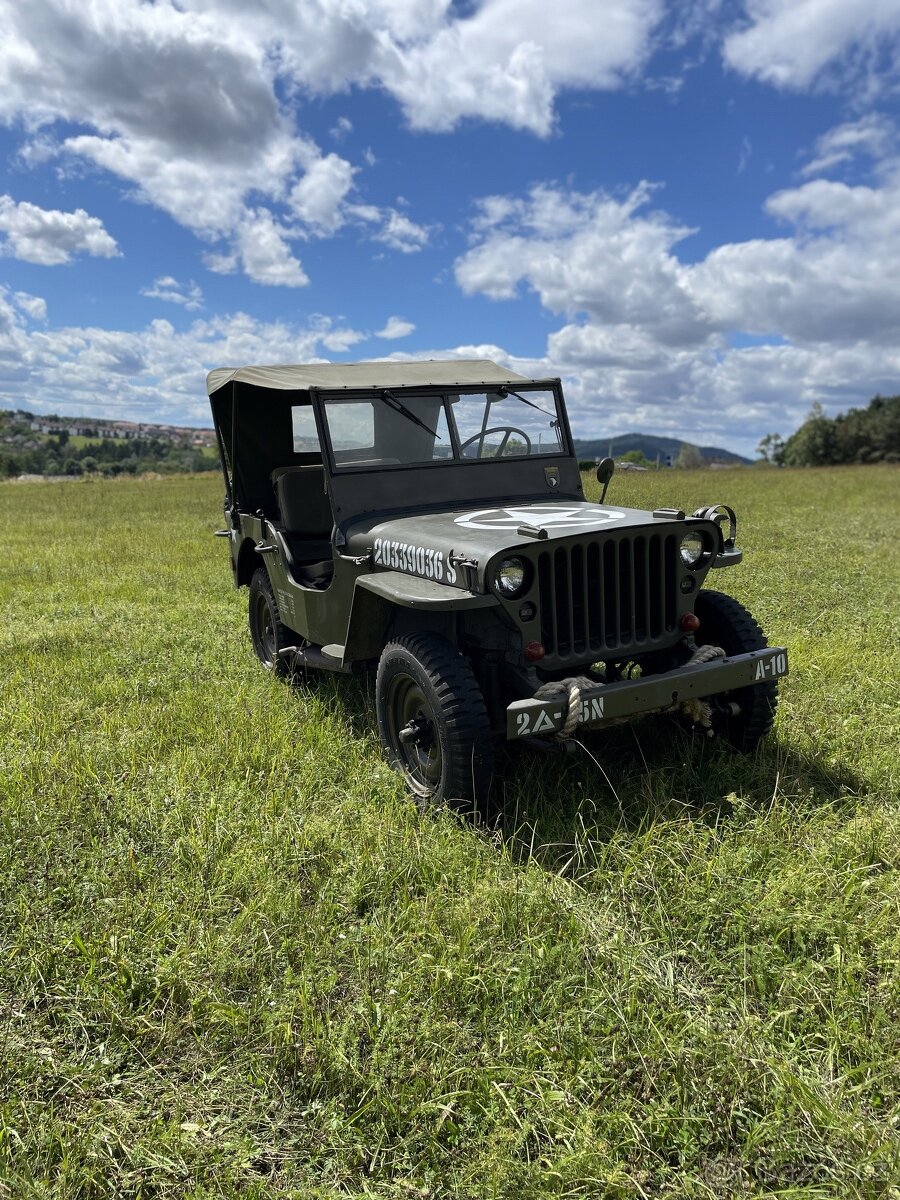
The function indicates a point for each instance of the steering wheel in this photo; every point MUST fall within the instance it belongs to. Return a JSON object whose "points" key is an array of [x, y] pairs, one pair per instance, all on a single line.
{"points": [[506, 430]]}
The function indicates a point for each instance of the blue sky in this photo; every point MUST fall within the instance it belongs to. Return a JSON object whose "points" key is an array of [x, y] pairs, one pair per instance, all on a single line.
{"points": [[691, 213]]}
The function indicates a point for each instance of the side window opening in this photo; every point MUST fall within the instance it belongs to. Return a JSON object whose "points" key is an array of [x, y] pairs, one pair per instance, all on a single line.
{"points": [[351, 425], [303, 423]]}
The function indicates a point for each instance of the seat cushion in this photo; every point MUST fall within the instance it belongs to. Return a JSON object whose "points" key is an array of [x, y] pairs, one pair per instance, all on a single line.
{"points": [[310, 562], [303, 502]]}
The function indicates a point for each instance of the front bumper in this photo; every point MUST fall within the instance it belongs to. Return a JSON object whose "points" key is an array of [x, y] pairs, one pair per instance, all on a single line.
{"points": [[609, 703]]}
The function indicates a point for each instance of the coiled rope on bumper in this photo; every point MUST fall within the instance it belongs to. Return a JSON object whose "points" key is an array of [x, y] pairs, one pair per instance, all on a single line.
{"points": [[571, 690], [698, 710], [704, 654]]}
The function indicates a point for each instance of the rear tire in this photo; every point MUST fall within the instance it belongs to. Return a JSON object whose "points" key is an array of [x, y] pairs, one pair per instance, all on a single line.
{"points": [[426, 689], [266, 630], [725, 622]]}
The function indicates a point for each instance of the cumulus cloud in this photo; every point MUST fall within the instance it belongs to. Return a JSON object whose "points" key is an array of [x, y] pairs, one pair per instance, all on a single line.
{"points": [[745, 338], [825, 283], [187, 105], [168, 288], [616, 380], [318, 197], [262, 246], [50, 237], [333, 335], [156, 373], [396, 327], [507, 60], [800, 43], [34, 306], [220, 264], [194, 105], [401, 233], [590, 253]]}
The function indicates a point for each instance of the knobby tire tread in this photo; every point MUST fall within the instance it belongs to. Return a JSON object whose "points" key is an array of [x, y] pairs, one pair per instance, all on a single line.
{"points": [[727, 623], [462, 709], [283, 636]]}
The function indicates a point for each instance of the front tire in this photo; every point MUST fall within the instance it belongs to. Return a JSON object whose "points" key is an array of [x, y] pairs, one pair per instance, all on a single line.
{"points": [[433, 722], [725, 622], [266, 630]]}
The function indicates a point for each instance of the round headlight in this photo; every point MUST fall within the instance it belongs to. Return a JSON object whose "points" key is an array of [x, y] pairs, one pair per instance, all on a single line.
{"points": [[693, 548], [511, 577]]}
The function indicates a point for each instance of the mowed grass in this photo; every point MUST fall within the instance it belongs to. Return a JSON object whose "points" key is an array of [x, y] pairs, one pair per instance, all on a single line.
{"points": [[235, 960]]}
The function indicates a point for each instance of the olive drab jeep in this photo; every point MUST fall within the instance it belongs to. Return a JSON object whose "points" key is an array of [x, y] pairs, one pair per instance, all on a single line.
{"points": [[427, 520]]}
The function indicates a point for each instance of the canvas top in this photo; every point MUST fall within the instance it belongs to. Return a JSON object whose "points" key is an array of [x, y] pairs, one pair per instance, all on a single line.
{"points": [[457, 372]]}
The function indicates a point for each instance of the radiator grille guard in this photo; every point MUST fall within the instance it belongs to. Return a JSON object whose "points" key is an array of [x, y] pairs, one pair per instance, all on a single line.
{"points": [[608, 597]]}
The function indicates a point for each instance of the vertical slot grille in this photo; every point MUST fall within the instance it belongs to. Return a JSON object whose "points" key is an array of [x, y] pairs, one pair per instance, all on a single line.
{"points": [[607, 597]]}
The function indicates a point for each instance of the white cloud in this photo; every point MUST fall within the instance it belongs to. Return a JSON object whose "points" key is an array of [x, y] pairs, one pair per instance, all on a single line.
{"points": [[168, 288], [586, 253], [333, 336], [317, 198], [400, 233], [396, 327], [616, 380], [181, 103], [735, 344], [507, 60], [262, 246], [796, 43], [827, 282], [873, 135], [50, 237], [185, 102], [34, 306], [156, 373], [220, 264], [341, 128]]}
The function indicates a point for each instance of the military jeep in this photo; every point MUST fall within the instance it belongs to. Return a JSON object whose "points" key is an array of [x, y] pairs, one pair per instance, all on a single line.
{"points": [[427, 520]]}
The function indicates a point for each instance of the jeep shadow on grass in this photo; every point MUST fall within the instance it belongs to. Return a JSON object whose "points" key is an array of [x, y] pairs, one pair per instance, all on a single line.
{"points": [[428, 520]]}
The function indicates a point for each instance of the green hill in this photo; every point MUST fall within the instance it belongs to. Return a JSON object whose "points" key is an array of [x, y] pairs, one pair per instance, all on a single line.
{"points": [[649, 445]]}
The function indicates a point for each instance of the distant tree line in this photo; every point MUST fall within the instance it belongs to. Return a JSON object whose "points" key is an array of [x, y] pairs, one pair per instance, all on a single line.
{"points": [[111, 456], [862, 435]]}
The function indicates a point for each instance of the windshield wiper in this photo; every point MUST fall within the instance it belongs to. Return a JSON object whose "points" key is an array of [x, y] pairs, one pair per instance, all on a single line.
{"points": [[505, 391], [392, 402]]}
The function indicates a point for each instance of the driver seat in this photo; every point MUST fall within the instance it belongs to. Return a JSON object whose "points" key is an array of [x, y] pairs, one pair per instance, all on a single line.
{"points": [[306, 522]]}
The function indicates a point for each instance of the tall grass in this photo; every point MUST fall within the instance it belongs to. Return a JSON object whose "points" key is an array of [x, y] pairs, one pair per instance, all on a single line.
{"points": [[235, 961]]}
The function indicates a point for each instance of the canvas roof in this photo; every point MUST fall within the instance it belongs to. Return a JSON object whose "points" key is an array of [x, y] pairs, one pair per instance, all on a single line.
{"points": [[461, 372]]}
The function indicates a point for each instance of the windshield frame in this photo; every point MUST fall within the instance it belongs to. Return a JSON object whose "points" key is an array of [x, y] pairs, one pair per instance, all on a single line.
{"points": [[322, 396]]}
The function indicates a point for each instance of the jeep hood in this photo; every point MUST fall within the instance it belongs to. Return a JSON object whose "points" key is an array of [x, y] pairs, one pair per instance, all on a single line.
{"points": [[429, 544]]}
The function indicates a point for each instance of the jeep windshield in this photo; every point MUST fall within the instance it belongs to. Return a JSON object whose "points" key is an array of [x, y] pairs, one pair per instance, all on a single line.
{"points": [[400, 428]]}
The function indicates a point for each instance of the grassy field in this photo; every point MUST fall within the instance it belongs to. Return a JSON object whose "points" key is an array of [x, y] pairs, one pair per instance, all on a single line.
{"points": [[235, 960]]}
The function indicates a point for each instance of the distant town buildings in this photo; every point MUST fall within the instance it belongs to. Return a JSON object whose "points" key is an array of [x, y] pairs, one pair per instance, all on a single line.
{"points": [[185, 435]]}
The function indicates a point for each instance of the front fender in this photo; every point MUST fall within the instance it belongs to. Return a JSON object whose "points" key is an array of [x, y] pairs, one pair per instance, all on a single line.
{"points": [[410, 591], [376, 597]]}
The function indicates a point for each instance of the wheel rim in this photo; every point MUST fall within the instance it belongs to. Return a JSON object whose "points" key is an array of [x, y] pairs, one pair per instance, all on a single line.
{"points": [[419, 755], [265, 628]]}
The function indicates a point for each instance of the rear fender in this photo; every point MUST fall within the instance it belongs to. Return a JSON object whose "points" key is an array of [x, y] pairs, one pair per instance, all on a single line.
{"points": [[247, 562]]}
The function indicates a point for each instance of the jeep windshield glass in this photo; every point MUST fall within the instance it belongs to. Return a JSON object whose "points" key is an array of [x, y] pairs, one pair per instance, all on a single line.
{"points": [[415, 429], [378, 432], [499, 425]]}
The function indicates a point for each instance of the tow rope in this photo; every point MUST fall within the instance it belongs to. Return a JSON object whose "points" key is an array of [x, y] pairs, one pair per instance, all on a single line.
{"points": [[571, 688], [698, 710]]}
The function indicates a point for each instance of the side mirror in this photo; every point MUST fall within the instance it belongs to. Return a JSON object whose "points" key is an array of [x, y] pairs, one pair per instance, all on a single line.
{"points": [[606, 468]]}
